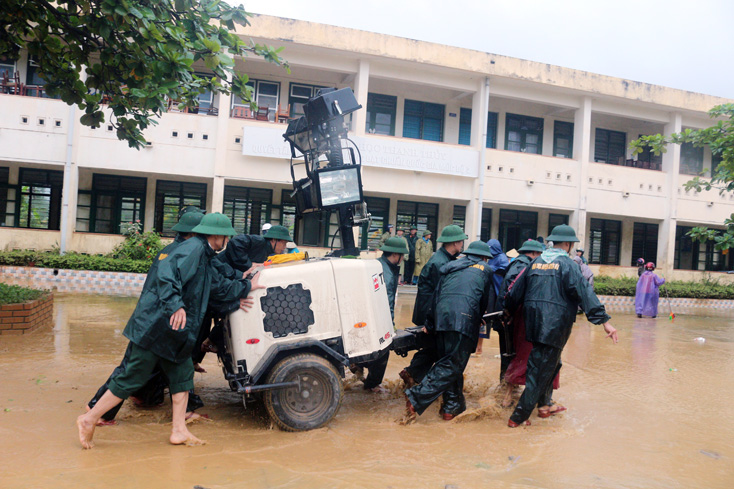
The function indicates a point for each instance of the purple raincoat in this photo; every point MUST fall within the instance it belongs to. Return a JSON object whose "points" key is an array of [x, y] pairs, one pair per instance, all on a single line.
{"points": [[647, 295]]}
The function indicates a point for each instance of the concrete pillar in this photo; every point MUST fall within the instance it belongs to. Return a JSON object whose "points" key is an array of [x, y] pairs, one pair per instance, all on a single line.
{"points": [[361, 87], [582, 154], [671, 167], [480, 108], [220, 154]]}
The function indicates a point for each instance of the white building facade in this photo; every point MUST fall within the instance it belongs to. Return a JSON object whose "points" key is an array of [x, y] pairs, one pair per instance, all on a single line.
{"points": [[506, 148]]}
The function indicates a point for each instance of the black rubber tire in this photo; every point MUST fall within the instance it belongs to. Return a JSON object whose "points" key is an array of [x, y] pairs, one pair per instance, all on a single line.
{"points": [[317, 402]]}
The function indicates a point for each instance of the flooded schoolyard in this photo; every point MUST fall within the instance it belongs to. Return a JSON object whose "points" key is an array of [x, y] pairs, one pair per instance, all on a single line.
{"points": [[654, 411]]}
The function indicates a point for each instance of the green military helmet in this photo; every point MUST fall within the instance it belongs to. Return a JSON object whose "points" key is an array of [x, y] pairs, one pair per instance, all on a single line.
{"points": [[187, 209], [531, 245], [427, 232], [395, 245], [563, 233], [478, 248], [215, 224], [188, 221], [278, 232], [452, 233]]}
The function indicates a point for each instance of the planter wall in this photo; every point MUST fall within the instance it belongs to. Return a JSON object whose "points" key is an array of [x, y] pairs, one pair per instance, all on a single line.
{"points": [[26, 317], [75, 281]]}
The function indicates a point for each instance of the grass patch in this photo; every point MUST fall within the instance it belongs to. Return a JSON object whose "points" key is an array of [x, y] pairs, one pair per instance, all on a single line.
{"points": [[707, 288]]}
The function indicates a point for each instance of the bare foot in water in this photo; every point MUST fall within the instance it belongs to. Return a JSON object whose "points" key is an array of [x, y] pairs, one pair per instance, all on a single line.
{"points": [[185, 438], [86, 431], [104, 422], [199, 368]]}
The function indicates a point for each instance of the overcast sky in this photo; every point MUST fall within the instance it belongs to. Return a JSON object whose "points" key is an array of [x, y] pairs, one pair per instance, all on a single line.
{"points": [[681, 44]]}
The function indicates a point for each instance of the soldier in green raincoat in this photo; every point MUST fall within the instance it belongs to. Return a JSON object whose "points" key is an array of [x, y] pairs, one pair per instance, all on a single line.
{"points": [[550, 291], [165, 324], [393, 252], [462, 296], [152, 393], [452, 237]]}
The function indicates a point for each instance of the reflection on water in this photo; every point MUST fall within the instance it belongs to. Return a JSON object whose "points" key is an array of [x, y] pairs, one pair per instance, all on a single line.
{"points": [[654, 411]]}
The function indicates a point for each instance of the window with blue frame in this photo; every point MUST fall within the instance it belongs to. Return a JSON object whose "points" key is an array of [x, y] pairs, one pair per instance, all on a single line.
{"points": [[423, 120], [381, 111], [465, 128]]}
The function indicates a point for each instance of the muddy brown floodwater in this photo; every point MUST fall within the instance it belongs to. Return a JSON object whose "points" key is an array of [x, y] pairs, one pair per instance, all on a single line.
{"points": [[654, 411]]}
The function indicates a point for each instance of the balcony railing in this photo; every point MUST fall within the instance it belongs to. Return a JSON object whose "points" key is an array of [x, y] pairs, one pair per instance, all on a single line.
{"points": [[265, 114]]}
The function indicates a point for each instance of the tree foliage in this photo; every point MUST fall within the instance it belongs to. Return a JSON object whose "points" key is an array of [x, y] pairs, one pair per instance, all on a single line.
{"points": [[720, 139], [133, 55]]}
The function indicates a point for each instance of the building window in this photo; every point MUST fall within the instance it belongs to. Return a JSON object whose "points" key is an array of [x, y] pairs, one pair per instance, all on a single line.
{"points": [[693, 255], [691, 159], [648, 156], [299, 95], [610, 146], [7, 68], [604, 239], [644, 242], [563, 139], [423, 120], [5, 219], [465, 128], [421, 215], [381, 110], [459, 217], [248, 208], [369, 239], [516, 227], [33, 76], [170, 198], [556, 220], [264, 93], [524, 134], [40, 199], [486, 224], [113, 200]]}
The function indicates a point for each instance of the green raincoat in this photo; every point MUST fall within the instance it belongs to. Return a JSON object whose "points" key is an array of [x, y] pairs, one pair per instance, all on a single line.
{"points": [[183, 278]]}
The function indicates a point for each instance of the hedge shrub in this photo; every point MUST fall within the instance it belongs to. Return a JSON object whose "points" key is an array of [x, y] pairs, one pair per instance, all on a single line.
{"points": [[73, 261], [14, 294], [707, 288]]}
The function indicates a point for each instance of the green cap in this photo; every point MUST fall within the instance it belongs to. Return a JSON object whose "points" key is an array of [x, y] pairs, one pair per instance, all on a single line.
{"points": [[563, 233], [278, 232], [187, 209], [452, 233], [188, 222], [215, 224], [427, 232], [478, 248], [395, 245], [531, 245]]}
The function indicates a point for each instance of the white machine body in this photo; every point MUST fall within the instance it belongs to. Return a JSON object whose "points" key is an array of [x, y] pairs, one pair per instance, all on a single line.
{"points": [[347, 299]]}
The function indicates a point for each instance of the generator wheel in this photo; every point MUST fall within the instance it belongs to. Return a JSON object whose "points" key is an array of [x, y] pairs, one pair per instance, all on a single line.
{"points": [[318, 399]]}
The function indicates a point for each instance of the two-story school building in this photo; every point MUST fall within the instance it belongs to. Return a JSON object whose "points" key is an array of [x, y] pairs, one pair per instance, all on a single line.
{"points": [[507, 148]]}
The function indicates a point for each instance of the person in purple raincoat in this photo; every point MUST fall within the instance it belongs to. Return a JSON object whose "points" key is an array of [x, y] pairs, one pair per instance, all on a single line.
{"points": [[648, 293]]}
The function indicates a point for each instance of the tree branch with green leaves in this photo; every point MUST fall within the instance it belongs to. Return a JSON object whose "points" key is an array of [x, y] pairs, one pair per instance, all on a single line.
{"points": [[136, 55], [720, 139]]}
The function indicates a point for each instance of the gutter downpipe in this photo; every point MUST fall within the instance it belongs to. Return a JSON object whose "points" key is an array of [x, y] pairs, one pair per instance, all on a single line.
{"points": [[482, 158], [67, 178]]}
